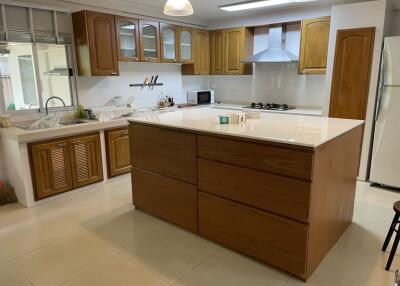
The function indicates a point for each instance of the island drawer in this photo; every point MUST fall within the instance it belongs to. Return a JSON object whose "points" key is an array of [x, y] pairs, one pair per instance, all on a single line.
{"points": [[281, 195], [169, 199], [272, 239], [164, 152], [276, 160]]}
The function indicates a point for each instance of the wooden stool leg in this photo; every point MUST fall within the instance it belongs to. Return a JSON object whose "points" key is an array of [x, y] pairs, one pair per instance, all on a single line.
{"points": [[393, 251], [391, 230]]}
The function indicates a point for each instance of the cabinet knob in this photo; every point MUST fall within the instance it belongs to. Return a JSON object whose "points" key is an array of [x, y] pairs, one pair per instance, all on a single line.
{"points": [[62, 145]]}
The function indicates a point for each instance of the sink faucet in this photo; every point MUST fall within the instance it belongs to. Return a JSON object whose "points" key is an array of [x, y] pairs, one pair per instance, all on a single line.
{"points": [[53, 97]]}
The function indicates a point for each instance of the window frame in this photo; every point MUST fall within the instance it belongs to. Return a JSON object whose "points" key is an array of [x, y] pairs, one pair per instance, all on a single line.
{"points": [[39, 89]]}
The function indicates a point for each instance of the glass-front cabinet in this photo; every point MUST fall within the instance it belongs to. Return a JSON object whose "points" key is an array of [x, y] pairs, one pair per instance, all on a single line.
{"points": [[127, 39], [169, 46], [149, 41], [186, 45]]}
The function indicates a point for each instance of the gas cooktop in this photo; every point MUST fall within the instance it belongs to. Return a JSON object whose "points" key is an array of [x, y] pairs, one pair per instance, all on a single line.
{"points": [[269, 106]]}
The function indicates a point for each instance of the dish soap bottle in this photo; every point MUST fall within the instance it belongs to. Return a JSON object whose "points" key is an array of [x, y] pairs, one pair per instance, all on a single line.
{"points": [[80, 112]]}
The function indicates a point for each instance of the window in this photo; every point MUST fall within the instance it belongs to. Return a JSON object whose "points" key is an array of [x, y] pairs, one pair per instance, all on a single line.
{"points": [[32, 73], [35, 59]]}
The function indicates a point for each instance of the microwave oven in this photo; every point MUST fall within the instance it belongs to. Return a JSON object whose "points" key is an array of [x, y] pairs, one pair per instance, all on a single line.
{"points": [[200, 97]]}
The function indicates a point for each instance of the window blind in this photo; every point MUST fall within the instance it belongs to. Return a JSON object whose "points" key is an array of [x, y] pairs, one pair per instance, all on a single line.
{"points": [[23, 24]]}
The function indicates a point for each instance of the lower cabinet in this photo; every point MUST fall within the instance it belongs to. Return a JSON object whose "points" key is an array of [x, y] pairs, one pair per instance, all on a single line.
{"points": [[61, 165], [117, 146]]}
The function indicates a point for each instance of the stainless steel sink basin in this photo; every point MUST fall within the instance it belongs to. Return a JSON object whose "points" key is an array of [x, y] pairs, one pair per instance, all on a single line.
{"points": [[62, 123]]}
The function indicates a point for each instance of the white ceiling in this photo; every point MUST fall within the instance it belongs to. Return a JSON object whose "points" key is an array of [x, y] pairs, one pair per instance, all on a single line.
{"points": [[204, 10]]}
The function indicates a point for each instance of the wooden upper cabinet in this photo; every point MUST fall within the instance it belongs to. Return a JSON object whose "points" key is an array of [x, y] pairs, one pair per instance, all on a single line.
{"points": [[351, 73], [202, 52], [314, 45], [216, 52], [50, 167], [169, 43], [149, 41], [238, 45], [86, 163], [127, 35], [186, 46], [118, 158], [95, 43]]}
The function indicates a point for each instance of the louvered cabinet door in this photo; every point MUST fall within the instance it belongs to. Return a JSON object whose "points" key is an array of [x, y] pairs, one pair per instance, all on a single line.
{"points": [[51, 169], [86, 163]]}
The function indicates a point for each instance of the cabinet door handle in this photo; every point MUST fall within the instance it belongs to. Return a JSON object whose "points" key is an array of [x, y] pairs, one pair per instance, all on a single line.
{"points": [[124, 133], [76, 142], [61, 145], [114, 73]]}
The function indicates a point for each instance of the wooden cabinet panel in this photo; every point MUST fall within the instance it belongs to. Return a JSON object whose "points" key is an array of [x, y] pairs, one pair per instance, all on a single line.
{"points": [[351, 73], [314, 45], [275, 160], [95, 43], [169, 153], [238, 44], [170, 199], [216, 52], [50, 167], [269, 238], [281, 195], [149, 41], [127, 36], [169, 43], [201, 65], [86, 163], [118, 158], [186, 45]]}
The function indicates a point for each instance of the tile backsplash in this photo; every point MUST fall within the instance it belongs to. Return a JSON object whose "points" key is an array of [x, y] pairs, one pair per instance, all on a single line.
{"points": [[99, 91], [271, 82]]}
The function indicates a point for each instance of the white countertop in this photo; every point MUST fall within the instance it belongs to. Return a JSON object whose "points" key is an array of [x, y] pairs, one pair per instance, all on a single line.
{"points": [[310, 131], [296, 111]]}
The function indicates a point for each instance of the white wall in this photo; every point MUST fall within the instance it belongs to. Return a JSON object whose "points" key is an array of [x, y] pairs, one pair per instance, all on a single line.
{"points": [[98, 91], [272, 82], [366, 14]]}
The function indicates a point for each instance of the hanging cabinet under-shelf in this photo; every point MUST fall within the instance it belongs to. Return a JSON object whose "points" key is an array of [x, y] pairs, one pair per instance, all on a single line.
{"points": [[95, 43], [169, 44], [127, 35], [149, 41]]}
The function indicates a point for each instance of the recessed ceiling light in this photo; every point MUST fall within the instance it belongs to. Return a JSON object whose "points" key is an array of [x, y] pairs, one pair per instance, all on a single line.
{"points": [[258, 4], [178, 8]]}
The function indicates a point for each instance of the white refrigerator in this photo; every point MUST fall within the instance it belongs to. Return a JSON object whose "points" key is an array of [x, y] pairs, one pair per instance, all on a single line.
{"points": [[385, 160]]}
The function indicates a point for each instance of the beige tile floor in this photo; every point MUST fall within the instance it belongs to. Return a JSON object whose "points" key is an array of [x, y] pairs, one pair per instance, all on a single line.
{"points": [[97, 238]]}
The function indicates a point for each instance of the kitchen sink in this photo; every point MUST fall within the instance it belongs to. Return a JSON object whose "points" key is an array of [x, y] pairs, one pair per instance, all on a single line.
{"points": [[61, 123]]}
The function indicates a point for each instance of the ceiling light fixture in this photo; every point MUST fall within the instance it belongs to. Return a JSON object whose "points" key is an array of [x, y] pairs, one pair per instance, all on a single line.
{"points": [[178, 8], [258, 4]]}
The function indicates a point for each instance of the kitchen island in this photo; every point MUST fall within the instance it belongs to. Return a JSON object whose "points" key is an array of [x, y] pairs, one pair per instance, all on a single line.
{"points": [[280, 188]]}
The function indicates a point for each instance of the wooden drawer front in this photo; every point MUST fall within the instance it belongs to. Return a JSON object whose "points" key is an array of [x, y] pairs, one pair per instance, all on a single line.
{"points": [[164, 152], [169, 199], [282, 195], [280, 161], [278, 241]]}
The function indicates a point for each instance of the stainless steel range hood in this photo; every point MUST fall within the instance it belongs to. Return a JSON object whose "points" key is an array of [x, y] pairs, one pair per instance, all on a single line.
{"points": [[276, 52]]}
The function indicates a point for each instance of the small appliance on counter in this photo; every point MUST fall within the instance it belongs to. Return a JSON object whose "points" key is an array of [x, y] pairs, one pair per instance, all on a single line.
{"points": [[269, 106], [199, 97]]}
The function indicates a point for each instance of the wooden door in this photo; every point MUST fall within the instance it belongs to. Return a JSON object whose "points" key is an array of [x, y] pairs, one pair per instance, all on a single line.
{"points": [[149, 41], [186, 46], [351, 73], [50, 167], [169, 44], [118, 158], [127, 35], [314, 45], [86, 163], [216, 52], [102, 44], [202, 52]]}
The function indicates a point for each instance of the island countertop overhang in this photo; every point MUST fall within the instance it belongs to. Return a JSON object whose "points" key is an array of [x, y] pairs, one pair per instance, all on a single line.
{"points": [[306, 131]]}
